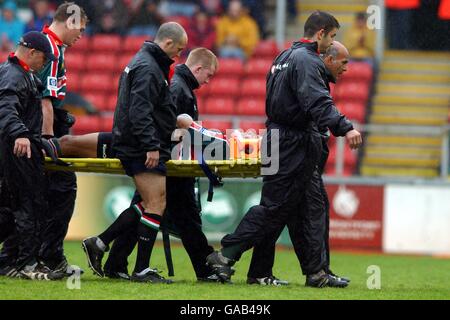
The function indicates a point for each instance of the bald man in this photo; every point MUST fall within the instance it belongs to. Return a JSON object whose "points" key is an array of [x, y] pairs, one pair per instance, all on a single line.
{"points": [[260, 271], [144, 120]]}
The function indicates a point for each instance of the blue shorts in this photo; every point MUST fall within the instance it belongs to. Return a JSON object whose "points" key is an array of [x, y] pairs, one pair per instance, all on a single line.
{"points": [[135, 166]]}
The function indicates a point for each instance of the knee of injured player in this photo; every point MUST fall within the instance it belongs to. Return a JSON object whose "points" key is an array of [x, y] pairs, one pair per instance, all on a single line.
{"points": [[155, 205]]}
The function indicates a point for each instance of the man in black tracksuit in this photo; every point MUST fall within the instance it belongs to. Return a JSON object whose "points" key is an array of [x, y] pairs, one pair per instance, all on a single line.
{"points": [[21, 150], [183, 211], [144, 121], [297, 104], [260, 272]]}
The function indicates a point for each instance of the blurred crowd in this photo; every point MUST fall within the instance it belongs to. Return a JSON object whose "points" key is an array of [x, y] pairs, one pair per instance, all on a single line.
{"points": [[230, 27]]}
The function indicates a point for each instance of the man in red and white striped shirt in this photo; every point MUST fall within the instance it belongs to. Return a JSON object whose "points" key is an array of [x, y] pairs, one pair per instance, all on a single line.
{"points": [[66, 29]]}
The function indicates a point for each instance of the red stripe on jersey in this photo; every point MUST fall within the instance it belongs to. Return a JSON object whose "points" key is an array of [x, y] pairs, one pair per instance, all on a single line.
{"points": [[54, 66]]}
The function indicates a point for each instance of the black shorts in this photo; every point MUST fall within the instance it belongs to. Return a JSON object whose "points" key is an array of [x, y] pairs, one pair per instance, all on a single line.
{"points": [[104, 145], [135, 166]]}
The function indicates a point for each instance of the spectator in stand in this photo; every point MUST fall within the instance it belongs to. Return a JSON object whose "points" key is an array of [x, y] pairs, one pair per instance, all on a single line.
{"points": [[212, 7], [256, 10], [360, 40], [237, 33], [42, 15], [145, 18], [201, 31], [110, 16], [11, 27], [400, 21], [180, 7]]}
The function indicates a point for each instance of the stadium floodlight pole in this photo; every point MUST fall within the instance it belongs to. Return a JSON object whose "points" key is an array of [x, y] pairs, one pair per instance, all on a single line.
{"points": [[381, 31], [445, 153], [340, 154], [280, 28]]}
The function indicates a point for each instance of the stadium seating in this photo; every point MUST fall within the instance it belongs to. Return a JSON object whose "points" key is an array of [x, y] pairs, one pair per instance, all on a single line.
{"points": [[132, 44], [358, 71], [98, 100], [352, 110], [266, 49], [81, 46], [203, 91], [224, 87], [352, 91], [251, 107], [97, 82], [219, 106], [258, 67], [230, 68], [86, 124], [106, 62], [75, 61], [73, 81], [253, 87], [106, 43], [122, 62], [106, 123], [111, 102]]}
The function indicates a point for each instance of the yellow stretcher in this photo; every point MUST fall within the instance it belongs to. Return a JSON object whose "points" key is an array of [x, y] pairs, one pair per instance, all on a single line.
{"points": [[239, 168]]}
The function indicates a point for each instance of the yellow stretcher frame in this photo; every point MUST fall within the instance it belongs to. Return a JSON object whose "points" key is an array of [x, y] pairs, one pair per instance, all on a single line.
{"points": [[240, 168]]}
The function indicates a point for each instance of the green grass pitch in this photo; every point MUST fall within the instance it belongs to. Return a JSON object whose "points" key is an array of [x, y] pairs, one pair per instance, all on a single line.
{"points": [[402, 277]]}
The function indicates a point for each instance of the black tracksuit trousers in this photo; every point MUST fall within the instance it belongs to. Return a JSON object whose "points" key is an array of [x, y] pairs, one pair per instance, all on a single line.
{"points": [[25, 180], [61, 194], [316, 197], [282, 201]]}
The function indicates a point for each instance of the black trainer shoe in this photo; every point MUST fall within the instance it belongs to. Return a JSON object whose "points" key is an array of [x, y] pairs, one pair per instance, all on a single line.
{"points": [[268, 281], [221, 268], [211, 278], [322, 279], [63, 267], [10, 272], [121, 275], [94, 255], [149, 275], [40, 272], [338, 277]]}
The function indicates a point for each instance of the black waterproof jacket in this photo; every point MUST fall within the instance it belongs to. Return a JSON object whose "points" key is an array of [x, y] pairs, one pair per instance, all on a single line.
{"points": [[182, 90], [20, 103], [145, 114], [298, 94]]}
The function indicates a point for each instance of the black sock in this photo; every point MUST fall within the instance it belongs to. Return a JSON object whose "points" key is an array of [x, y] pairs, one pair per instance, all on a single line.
{"points": [[126, 220], [233, 252], [147, 232]]}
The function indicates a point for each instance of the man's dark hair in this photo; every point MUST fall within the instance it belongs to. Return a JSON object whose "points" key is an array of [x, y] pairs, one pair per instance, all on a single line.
{"points": [[170, 30], [65, 11], [320, 20]]}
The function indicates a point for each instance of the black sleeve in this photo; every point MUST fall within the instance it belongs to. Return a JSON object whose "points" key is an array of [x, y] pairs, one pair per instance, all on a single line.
{"points": [[179, 98], [312, 89], [10, 123], [144, 91]]}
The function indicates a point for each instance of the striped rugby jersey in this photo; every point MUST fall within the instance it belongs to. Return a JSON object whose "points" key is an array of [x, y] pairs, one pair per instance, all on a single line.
{"points": [[53, 75]]}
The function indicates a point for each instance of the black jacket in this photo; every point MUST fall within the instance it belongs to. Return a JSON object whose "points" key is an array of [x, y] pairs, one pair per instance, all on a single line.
{"points": [[182, 90], [20, 103], [298, 94], [145, 114]]}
